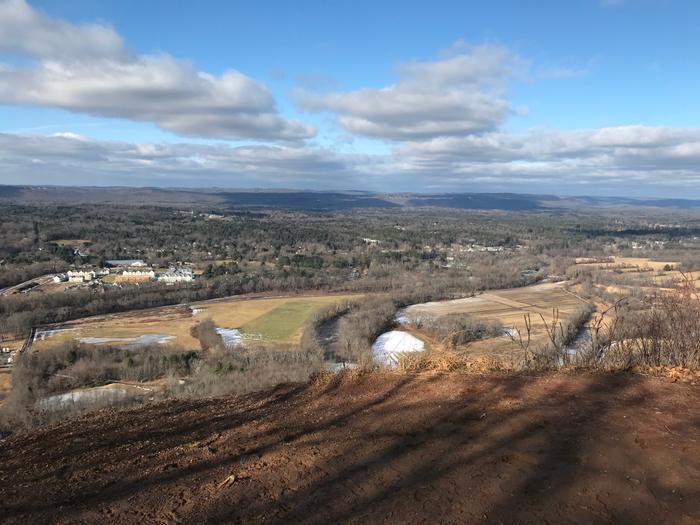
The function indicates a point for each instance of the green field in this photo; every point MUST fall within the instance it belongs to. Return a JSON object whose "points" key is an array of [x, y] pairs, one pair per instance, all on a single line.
{"points": [[282, 322]]}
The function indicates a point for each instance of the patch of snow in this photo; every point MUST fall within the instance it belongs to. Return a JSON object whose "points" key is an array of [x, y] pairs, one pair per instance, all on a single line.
{"points": [[401, 317], [390, 345], [339, 367], [509, 332], [93, 397], [231, 336], [42, 334], [129, 342]]}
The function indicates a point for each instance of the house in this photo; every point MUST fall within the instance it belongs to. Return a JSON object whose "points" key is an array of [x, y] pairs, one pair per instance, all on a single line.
{"points": [[60, 278], [135, 276], [177, 275], [80, 276]]}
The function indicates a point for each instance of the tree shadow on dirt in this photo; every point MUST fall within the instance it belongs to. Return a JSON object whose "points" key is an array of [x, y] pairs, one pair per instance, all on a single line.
{"points": [[164, 438], [468, 461], [393, 448]]}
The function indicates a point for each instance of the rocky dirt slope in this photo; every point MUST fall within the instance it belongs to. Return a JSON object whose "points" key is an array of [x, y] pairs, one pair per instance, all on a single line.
{"points": [[378, 448]]}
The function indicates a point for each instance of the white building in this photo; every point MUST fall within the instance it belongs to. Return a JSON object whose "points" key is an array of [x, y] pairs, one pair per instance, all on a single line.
{"points": [[80, 276], [177, 275]]}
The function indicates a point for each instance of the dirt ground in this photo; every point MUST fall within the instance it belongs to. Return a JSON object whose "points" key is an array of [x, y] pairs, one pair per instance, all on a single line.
{"points": [[381, 448]]}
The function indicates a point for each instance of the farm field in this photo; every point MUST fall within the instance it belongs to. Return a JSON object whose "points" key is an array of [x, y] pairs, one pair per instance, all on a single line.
{"points": [[508, 307], [5, 382], [630, 263], [270, 319], [643, 272]]}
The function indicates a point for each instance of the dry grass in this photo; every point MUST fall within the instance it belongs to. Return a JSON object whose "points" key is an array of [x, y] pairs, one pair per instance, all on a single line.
{"points": [[278, 319], [640, 274], [508, 307], [5, 382], [627, 263], [447, 361], [13, 343]]}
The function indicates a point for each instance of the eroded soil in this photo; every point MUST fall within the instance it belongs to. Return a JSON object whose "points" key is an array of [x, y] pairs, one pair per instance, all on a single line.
{"points": [[376, 449]]}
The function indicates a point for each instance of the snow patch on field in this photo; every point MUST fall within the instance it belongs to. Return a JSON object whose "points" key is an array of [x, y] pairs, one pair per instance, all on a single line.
{"points": [[401, 317], [42, 334], [129, 342], [92, 398], [390, 345], [231, 336]]}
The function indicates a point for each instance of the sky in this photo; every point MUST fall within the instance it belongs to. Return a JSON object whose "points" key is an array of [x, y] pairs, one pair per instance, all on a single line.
{"points": [[576, 97]]}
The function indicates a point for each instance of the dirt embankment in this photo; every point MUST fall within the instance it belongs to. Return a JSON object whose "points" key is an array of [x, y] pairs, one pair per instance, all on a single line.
{"points": [[379, 448]]}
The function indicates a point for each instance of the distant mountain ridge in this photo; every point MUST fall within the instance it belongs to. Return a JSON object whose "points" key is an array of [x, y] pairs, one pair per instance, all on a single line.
{"points": [[318, 200]]}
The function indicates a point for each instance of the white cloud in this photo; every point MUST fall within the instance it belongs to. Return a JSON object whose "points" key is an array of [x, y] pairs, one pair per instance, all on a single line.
{"points": [[26, 31], [67, 158], [88, 69], [623, 160], [615, 155], [463, 92]]}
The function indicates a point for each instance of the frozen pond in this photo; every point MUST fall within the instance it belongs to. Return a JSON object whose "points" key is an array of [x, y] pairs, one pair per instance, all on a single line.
{"points": [[129, 342], [390, 345], [231, 336]]}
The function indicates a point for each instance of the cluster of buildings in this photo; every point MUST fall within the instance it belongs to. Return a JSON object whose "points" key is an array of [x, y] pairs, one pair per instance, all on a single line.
{"points": [[135, 275], [177, 275], [127, 271]]}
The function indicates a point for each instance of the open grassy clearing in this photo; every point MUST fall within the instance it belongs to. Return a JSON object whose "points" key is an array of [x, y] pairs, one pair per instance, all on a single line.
{"points": [[5, 382], [284, 322], [278, 319], [72, 242], [634, 263], [645, 273], [508, 307]]}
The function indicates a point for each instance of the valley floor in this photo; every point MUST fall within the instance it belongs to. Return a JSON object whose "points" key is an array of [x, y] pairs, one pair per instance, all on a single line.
{"points": [[379, 448]]}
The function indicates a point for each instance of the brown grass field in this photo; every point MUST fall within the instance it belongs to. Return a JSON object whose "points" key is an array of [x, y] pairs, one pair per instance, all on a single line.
{"points": [[631, 263], [275, 319], [5, 382], [650, 274], [509, 307]]}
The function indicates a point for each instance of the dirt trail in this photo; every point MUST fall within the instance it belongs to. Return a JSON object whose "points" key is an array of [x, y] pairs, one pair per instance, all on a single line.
{"points": [[381, 448]]}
